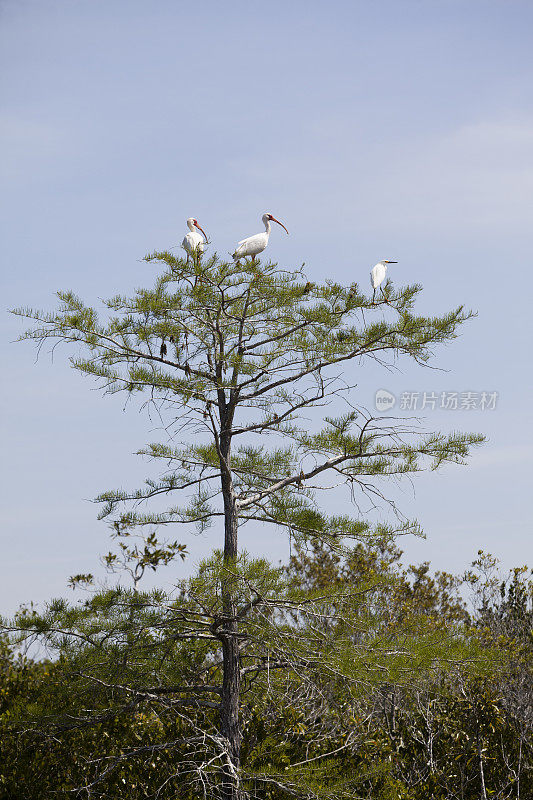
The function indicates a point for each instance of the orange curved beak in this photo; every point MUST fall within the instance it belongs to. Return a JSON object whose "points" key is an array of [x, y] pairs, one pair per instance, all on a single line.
{"points": [[201, 229], [279, 223]]}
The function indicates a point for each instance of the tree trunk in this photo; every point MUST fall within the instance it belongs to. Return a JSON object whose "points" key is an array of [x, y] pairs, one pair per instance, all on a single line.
{"points": [[228, 634]]}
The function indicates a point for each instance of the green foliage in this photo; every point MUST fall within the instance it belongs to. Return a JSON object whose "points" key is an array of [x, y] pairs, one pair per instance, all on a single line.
{"points": [[251, 347], [312, 731], [240, 359], [322, 639]]}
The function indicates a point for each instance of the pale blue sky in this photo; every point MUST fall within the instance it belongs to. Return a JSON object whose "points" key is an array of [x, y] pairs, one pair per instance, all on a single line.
{"points": [[395, 129]]}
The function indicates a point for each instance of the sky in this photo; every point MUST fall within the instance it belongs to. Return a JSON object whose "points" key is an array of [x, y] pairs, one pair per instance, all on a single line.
{"points": [[394, 129]]}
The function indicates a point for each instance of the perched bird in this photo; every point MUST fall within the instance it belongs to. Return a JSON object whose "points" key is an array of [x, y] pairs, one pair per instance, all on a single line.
{"points": [[378, 274], [163, 349], [193, 244], [254, 245]]}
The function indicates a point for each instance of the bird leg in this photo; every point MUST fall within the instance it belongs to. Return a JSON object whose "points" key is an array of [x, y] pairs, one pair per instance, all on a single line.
{"points": [[374, 298], [196, 264]]}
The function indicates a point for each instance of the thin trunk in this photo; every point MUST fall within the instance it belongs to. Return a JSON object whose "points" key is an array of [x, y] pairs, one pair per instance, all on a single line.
{"points": [[228, 634], [481, 771], [519, 765]]}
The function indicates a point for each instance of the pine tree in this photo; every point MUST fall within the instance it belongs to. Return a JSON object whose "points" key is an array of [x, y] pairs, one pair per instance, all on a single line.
{"points": [[232, 355]]}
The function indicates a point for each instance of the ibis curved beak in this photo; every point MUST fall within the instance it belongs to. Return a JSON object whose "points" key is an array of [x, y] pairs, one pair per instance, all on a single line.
{"points": [[279, 223], [201, 229]]}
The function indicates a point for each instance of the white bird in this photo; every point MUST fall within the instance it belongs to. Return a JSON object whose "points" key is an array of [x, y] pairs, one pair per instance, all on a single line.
{"points": [[254, 245], [378, 274], [193, 244]]}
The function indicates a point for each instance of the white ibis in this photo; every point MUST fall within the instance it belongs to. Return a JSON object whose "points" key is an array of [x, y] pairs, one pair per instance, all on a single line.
{"points": [[254, 245], [193, 243], [378, 274]]}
